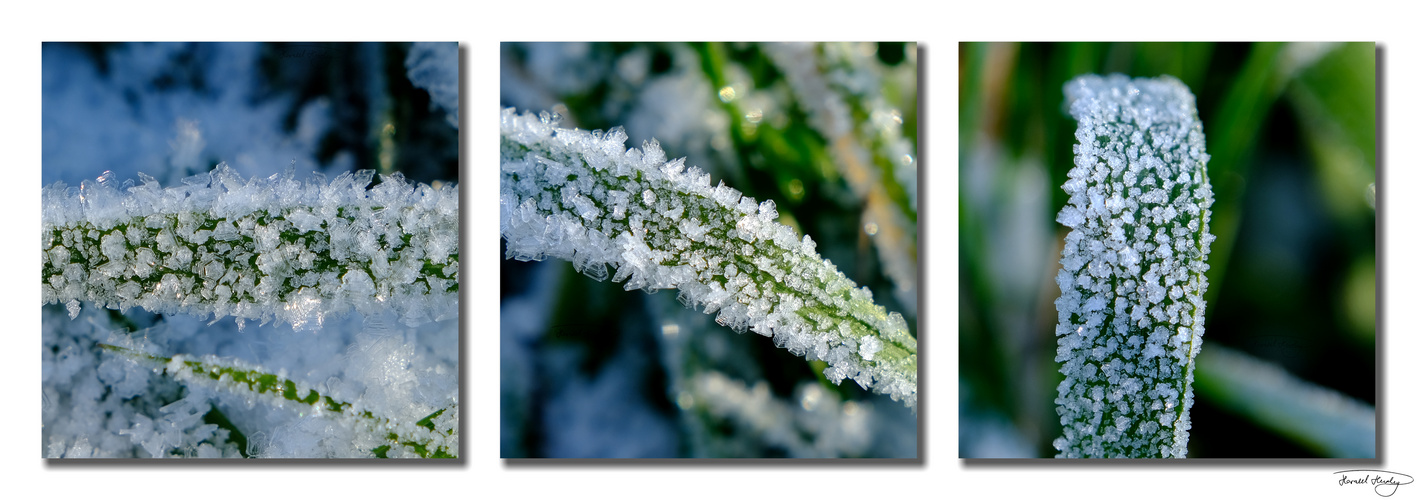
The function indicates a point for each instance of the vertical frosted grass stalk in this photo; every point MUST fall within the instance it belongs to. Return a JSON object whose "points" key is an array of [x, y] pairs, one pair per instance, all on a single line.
{"points": [[1131, 314], [581, 196], [258, 249]]}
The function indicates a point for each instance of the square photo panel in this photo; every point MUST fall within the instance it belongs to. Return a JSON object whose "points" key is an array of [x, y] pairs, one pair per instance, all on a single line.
{"points": [[1167, 250], [709, 250], [250, 250]]}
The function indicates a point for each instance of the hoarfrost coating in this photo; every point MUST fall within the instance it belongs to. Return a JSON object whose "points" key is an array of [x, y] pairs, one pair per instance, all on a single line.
{"points": [[581, 196], [1131, 314], [365, 433], [258, 249], [112, 392]]}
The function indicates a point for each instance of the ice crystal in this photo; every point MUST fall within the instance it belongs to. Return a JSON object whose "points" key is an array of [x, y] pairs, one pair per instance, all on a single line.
{"points": [[1131, 314], [639, 218], [254, 249]]}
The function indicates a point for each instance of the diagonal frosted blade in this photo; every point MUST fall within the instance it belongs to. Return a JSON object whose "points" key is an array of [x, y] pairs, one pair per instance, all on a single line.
{"points": [[583, 197], [1131, 313]]}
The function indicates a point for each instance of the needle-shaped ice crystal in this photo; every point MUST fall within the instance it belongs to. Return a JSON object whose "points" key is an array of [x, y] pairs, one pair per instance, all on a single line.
{"points": [[1131, 314], [647, 221], [254, 249]]}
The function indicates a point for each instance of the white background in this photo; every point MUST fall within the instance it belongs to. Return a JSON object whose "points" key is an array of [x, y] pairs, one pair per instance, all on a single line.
{"points": [[938, 26]]}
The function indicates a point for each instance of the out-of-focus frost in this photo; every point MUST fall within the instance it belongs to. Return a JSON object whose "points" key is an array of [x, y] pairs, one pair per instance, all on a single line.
{"points": [[434, 67]]}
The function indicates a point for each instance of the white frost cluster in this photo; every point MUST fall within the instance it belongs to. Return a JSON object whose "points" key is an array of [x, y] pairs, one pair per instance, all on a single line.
{"points": [[581, 196], [254, 249], [1131, 314]]}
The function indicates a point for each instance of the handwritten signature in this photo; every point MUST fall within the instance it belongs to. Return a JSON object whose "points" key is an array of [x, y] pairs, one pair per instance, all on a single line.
{"points": [[1384, 483]]}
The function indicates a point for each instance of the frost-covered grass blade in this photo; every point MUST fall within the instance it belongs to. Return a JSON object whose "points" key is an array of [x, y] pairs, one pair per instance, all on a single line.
{"points": [[434, 436], [583, 197], [1131, 314], [259, 249]]}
